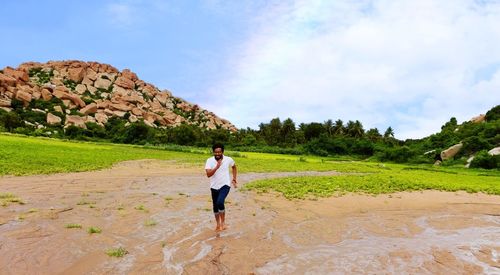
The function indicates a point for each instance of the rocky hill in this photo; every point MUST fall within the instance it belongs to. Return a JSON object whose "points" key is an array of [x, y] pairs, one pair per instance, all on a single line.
{"points": [[76, 92]]}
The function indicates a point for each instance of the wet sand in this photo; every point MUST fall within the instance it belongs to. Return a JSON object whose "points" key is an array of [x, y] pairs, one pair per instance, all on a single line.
{"points": [[428, 232]]}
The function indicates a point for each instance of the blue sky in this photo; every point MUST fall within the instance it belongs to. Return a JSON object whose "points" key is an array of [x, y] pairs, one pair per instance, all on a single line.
{"points": [[407, 64]]}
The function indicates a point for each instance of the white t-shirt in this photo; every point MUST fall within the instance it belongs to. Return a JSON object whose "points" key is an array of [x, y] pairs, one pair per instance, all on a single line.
{"points": [[221, 176]]}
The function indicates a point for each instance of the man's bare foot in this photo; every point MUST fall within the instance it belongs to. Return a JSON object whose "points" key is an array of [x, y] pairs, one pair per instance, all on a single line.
{"points": [[224, 227], [218, 228]]}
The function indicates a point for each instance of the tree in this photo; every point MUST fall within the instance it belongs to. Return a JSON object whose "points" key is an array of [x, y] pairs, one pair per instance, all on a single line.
{"points": [[338, 128], [313, 130], [373, 134], [287, 133], [355, 129], [389, 133], [329, 127]]}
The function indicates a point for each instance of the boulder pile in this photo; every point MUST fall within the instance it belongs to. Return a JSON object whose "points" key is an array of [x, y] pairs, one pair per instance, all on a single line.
{"points": [[95, 92]]}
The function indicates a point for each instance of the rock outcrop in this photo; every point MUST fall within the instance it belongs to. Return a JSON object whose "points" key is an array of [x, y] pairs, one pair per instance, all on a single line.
{"points": [[95, 92], [451, 152]]}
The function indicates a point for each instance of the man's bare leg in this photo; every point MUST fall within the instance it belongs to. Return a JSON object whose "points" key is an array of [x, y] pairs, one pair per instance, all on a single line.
{"points": [[218, 221], [222, 220]]}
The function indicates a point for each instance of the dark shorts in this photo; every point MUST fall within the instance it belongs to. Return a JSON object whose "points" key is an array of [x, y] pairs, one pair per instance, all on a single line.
{"points": [[218, 198]]}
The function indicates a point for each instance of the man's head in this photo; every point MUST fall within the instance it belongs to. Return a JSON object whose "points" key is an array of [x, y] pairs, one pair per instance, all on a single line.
{"points": [[218, 150]]}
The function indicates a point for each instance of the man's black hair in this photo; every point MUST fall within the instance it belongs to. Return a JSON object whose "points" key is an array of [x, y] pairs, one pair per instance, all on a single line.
{"points": [[218, 145]]}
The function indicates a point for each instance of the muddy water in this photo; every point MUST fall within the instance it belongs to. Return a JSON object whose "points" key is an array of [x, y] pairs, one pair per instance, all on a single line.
{"points": [[426, 233]]}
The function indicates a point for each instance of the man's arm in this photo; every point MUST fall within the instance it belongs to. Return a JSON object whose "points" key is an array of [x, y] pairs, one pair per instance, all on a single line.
{"points": [[211, 172], [235, 173]]}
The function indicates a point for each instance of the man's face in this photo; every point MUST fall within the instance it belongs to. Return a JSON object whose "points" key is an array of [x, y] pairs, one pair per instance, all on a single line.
{"points": [[218, 153]]}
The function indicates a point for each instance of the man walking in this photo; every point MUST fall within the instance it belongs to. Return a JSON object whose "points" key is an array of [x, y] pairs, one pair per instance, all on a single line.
{"points": [[217, 168]]}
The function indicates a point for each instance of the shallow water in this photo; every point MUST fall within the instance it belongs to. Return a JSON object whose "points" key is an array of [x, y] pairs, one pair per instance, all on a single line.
{"points": [[428, 233]]}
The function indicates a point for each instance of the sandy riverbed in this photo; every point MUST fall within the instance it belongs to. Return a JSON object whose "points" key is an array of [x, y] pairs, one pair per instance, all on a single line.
{"points": [[427, 232]]}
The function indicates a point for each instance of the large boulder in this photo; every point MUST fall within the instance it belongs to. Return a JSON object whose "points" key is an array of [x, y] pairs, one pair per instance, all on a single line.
{"points": [[76, 74], [495, 151], [102, 83], [451, 152], [53, 119], [7, 80], [77, 121], [125, 83], [17, 74], [89, 109], [23, 96], [478, 119], [5, 102]]}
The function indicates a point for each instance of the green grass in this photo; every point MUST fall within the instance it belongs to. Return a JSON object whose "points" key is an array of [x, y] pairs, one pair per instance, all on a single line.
{"points": [[73, 225], [388, 179], [20, 155], [94, 229], [150, 222], [116, 252], [7, 198]]}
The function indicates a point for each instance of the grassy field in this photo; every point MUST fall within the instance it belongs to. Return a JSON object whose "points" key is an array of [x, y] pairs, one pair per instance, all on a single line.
{"points": [[389, 178], [21, 155]]}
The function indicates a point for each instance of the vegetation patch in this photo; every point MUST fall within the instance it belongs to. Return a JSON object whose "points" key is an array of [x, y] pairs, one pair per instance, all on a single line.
{"points": [[398, 179], [73, 225], [8, 198], [150, 222], [94, 230], [117, 252]]}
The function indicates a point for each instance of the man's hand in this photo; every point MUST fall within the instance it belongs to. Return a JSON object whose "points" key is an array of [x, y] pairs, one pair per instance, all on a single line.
{"points": [[234, 183]]}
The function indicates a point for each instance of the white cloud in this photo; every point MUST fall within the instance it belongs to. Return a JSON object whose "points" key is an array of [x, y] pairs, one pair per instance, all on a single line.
{"points": [[405, 64]]}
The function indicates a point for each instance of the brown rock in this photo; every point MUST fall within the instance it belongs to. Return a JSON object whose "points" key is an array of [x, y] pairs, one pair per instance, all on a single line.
{"points": [[77, 121], [129, 75], [89, 109], [80, 89], [120, 107], [53, 119], [60, 91], [23, 96], [119, 113], [102, 83], [91, 74], [478, 119], [86, 81], [108, 112], [17, 74], [136, 111], [162, 98], [101, 118], [451, 152], [75, 99], [125, 83], [5, 102], [103, 105], [93, 90], [76, 74], [37, 95], [7, 80]]}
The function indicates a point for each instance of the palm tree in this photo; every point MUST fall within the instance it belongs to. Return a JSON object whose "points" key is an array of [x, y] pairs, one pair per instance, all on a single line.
{"points": [[389, 133], [329, 127], [338, 128]]}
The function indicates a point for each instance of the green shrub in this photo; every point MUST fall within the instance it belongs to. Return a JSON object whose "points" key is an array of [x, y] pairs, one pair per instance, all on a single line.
{"points": [[485, 160]]}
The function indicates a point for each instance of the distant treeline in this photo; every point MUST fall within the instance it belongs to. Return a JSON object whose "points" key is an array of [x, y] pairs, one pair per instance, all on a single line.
{"points": [[330, 138]]}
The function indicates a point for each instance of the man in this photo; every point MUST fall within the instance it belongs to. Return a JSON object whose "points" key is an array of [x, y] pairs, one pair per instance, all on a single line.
{"points": [[217, 168]]}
